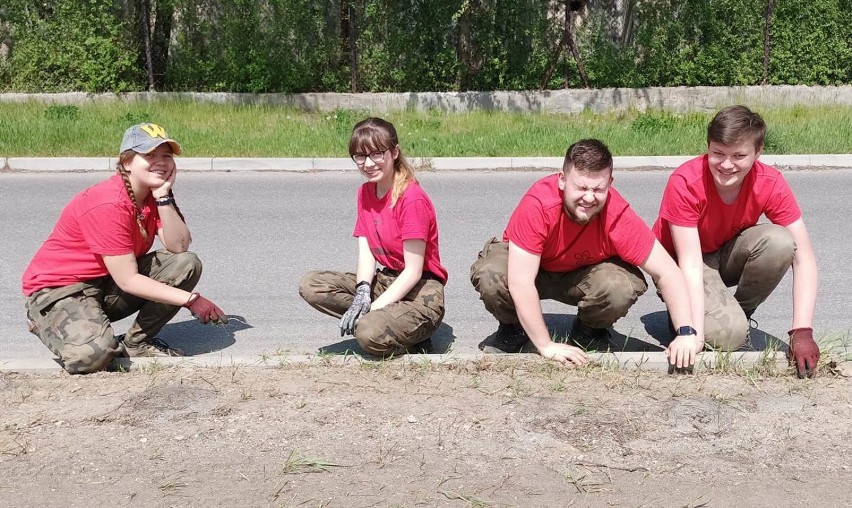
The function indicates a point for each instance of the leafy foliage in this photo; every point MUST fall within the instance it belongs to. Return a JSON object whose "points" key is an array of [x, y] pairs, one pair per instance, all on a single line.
{"points": [[417, 45]]}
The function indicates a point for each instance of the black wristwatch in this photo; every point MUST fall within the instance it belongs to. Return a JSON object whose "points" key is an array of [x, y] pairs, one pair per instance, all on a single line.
{"points": [[685, 330], [165, 201]]}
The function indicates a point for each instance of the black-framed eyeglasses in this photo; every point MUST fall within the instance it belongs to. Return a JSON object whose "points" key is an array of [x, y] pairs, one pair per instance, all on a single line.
{"points": [[377, 157]]}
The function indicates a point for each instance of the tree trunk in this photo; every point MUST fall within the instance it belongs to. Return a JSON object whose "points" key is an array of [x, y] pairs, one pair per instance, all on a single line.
{"points": [[145, 9], [767, 34], [161, 40], [348, 40], [464, 47], [567, 40], [575, 52]]}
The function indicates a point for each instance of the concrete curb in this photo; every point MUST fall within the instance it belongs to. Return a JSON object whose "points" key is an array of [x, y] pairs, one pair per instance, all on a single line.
{"points": [[654, 361], [236, 164]]}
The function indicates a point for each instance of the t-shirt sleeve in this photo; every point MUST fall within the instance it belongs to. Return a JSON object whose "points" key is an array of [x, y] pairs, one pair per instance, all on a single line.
{"points": [[107, 230], [415, 217], [631, 237], [527, 226], [680, 206], [782, 208], [360, 228]]}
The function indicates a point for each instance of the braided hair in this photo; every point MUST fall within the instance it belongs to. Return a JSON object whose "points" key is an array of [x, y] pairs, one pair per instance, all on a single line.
{"points": [[124, 158]]}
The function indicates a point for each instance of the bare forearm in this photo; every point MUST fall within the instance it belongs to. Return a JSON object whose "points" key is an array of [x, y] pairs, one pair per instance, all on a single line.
{"points": [[176, 237], [399, 288], [150, 289], [528, 307], [694, 280], [805, 279]]}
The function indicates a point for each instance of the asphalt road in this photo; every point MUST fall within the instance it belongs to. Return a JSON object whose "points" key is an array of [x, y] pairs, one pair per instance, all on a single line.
{"points": [[257, 233]]}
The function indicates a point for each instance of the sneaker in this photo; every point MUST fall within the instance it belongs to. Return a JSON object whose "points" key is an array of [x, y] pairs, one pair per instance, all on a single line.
{"points": [[509, 338], [154, 348], [588, 338]]}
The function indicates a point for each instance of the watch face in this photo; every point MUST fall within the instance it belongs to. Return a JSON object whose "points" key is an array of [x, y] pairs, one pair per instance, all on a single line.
{"points": [[686, 330]]}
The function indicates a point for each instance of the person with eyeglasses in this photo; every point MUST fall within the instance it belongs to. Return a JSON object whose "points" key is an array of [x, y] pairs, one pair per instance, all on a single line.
{"points": [[95, 267], [395, 309]]}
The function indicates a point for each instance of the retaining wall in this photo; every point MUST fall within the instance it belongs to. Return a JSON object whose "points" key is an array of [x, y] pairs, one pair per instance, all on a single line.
{"points": [[677, 99]]}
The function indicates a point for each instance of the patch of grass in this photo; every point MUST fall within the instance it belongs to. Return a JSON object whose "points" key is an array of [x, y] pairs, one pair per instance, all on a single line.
{"points": [[471, 500], [217, 130], [297, 464], [170, 486]]}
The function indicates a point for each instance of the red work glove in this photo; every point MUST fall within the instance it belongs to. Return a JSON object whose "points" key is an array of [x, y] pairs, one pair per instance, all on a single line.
{"points": [[804, 352], [205, 310]]}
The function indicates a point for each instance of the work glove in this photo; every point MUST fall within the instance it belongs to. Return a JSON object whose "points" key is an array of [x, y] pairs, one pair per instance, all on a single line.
{"points": [[205, 311], [803, 352], [360, 306]]}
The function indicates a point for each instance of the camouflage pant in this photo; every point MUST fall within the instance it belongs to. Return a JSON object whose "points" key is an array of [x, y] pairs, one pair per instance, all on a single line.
{"points": [[387, 331], [755, 261], [602, 292], [74, 321]]}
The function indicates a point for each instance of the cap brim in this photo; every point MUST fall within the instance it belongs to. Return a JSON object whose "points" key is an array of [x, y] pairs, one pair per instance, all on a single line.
{"points": [[154, 143]]}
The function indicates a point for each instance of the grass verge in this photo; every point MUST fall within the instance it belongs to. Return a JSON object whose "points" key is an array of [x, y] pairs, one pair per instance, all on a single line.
{"points": [[35, 129]]}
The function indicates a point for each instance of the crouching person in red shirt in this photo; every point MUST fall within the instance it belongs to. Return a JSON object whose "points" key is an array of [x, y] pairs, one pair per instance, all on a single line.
{"points": [[396, 309], [95, 267], [574, 239], [708, 222]]}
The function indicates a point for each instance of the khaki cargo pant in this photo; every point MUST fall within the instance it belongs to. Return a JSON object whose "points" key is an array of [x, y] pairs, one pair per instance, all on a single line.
{"points": [[602, 292], [387, 331], [74, 321], [755, 261]]}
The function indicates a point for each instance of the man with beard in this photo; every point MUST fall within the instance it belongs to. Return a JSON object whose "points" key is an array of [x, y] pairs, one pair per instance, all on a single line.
{"points": [[574, 239]]}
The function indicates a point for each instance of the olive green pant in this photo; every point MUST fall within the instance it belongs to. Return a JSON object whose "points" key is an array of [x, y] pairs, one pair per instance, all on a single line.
{"points": [[390, 330], [755, 261], [74, 321], [602, 292]]}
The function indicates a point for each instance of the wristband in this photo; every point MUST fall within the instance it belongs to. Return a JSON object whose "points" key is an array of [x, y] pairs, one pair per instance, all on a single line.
{"points": [[168, 200], [362, 283]]}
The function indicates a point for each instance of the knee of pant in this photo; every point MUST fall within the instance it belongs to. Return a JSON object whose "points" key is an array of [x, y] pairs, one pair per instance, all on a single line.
{"points": [[370, 344], [373, 340], [189, 267], [780, 245], [308, 286], [85, 360], [489, 277], [617, 291], [726, 334]]}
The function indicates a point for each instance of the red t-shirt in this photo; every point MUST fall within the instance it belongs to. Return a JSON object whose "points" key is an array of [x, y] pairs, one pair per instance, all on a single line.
{"points": [[691, 200], [99, 221], [412, 218], [540, 226]]}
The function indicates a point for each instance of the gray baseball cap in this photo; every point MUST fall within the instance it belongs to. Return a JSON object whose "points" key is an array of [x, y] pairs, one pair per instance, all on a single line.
{"points": [[144, 137]]}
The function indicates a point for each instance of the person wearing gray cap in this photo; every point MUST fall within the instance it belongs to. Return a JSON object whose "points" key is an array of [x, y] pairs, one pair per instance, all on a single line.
{"points": [[95, 267]]}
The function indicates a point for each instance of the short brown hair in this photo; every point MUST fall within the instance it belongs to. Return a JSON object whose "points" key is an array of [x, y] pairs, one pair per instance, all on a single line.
{"points": [[588, 155], [734, 124]]}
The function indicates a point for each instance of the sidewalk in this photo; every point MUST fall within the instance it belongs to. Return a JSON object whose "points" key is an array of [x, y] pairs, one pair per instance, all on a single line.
{"points": [[229, 164]]}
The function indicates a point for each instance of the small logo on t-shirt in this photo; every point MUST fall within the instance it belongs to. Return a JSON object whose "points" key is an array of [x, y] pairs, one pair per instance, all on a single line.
{"points": [[583, 258]]}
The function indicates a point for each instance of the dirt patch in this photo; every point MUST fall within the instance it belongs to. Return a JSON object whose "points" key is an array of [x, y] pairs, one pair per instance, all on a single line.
{"points": [[484, 433]]}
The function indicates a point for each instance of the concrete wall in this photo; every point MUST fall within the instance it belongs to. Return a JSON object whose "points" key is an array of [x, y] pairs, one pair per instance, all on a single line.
{"points": [[678, 99]]}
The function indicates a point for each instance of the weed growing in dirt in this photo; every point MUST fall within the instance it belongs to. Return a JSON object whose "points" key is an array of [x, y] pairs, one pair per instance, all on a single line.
{"points": [[471, 500], [171, 486], [297, 464]]}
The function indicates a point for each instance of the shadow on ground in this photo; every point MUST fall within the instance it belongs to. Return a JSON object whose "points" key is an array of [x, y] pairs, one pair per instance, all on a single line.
{"points": [[657, 326], [442, 341], [196, 338]]}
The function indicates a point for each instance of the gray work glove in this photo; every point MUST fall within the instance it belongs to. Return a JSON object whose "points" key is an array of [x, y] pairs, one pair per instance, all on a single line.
{"points": [[360, 306]]}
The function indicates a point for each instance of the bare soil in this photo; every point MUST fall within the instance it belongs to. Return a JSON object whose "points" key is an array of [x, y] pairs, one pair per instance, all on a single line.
{"points": [[475, 434]]}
